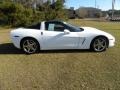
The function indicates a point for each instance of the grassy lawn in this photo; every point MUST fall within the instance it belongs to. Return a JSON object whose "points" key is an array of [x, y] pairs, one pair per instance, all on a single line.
{"points": [[61, 70]]}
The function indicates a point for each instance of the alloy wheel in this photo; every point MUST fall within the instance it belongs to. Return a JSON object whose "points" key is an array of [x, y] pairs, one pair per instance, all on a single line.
{"points": [[30, 46], [100, 44]]}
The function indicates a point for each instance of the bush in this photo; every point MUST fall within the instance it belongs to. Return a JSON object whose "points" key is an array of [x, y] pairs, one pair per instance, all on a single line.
{"points": [[15, 14]]}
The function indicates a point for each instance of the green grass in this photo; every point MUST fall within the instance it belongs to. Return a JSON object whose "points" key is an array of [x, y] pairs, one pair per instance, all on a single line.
{"points": [[61, 70]]}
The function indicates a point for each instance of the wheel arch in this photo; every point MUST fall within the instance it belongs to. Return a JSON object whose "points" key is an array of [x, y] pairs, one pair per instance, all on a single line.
{"points": [[98, 37], [21, 41]]}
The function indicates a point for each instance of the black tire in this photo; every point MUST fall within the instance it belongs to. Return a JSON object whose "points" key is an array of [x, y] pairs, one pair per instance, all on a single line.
{"points": [[30, 45], [99, 44]]}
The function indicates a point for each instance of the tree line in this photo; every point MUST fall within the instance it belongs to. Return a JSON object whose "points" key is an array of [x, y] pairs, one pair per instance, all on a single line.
{"points": [[25, 12]]}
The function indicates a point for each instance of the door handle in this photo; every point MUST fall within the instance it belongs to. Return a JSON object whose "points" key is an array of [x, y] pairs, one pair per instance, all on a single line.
{"points": [[41, 33]]}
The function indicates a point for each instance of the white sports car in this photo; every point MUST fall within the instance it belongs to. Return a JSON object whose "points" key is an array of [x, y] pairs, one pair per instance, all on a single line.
{"points": [[57, 35]]}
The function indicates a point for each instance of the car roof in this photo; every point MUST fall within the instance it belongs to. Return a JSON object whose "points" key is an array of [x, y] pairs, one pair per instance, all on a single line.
{"points": [[55, 21]]}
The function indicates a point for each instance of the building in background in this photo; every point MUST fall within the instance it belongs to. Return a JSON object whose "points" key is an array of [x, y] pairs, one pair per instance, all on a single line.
{"points": [[88, 12]]}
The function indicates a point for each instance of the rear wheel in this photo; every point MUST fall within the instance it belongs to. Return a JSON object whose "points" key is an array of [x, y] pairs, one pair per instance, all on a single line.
{"points": [[99, 44], [30, 45]]}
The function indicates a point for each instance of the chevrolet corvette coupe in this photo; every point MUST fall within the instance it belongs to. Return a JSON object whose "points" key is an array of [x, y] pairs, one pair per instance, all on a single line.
{"points": [[58, 35]]}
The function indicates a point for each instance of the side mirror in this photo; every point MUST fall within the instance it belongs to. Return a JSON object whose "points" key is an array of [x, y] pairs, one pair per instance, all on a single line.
{"points": [[66, 31]]}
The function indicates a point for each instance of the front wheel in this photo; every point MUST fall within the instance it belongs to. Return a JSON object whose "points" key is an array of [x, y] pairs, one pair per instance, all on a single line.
{"points": [[99, 44], [30, 46]]}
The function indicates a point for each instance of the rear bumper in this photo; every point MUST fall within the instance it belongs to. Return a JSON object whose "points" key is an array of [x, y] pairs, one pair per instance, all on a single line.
{"points": [[16, 42]]}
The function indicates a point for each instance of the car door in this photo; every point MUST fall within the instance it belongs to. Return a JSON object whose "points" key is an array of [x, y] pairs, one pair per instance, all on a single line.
{"points": [[55, 38]]}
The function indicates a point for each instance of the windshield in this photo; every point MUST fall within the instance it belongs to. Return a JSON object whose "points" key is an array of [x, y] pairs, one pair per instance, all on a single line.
{"points": [[75, 28]]}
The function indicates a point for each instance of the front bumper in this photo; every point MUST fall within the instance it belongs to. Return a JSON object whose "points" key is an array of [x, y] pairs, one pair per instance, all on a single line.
{"points": [[111, 42]]}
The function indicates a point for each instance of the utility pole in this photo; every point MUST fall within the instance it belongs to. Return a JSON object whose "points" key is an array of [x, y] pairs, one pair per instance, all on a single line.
{"points": [[113, 7], [95, 3]]}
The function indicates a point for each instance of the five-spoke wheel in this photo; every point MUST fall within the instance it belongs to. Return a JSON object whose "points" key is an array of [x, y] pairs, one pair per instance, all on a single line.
{"points": [[99, 44], [30, 45]]}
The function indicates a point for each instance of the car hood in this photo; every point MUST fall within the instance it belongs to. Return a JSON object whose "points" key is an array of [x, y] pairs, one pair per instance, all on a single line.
{"points": [[92, 30], [95, 31]]}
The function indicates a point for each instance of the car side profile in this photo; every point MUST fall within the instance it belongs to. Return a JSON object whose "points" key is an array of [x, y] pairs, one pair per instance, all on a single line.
{"points": [[58, 35]]}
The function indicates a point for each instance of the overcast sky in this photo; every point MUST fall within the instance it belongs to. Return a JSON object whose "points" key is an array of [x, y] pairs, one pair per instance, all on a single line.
{"points": [[101, 4]]}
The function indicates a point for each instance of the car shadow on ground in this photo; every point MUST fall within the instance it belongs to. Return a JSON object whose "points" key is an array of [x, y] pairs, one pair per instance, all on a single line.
{"points": [[8, 48]]}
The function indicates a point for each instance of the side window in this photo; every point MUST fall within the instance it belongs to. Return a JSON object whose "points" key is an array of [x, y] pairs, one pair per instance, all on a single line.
{"points": [[54, 26], [59, 27], [51, 27]]}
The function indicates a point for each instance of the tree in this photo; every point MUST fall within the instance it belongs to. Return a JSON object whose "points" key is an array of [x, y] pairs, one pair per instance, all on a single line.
{"points": [[59, 9], [17, 13], [54, 10], [29, 3]]}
